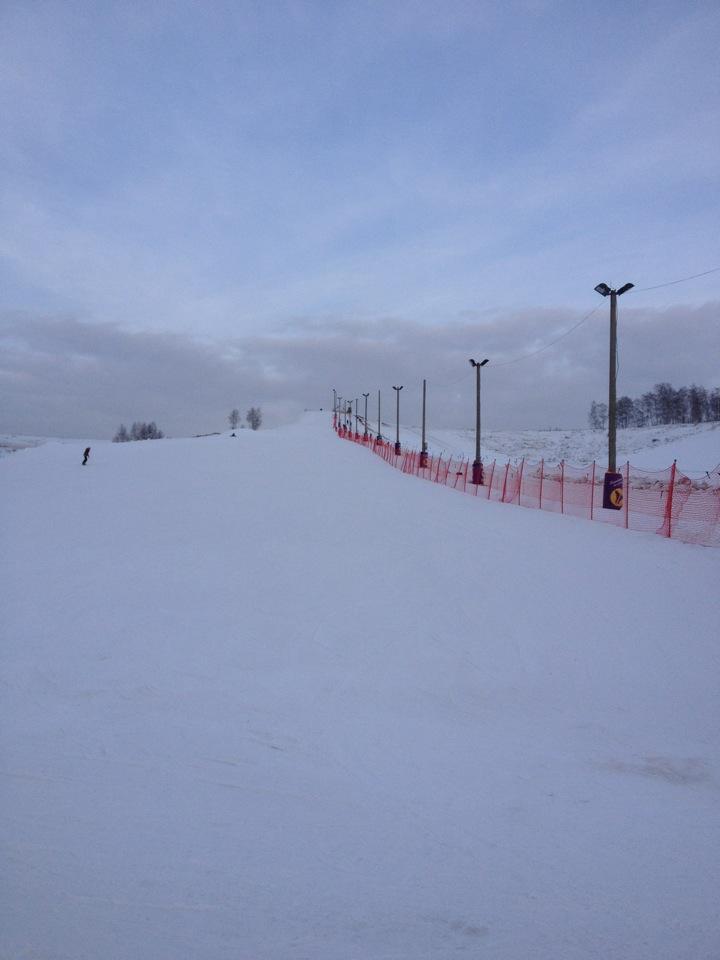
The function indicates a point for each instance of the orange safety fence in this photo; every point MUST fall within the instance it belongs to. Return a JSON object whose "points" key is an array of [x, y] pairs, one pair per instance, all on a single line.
{"points": [[662, 501]]}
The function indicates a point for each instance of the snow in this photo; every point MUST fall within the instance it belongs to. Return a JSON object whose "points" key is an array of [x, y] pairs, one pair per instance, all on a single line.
{"points": [[696, 447], [265, 697]]}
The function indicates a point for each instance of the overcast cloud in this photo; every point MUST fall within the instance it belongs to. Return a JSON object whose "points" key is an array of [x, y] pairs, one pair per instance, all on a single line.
{"points": [[61, 377], [204, 205]]}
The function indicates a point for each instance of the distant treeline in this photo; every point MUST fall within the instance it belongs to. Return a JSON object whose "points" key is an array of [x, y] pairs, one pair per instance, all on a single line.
{"points": [[663, 404], [138, 431]]}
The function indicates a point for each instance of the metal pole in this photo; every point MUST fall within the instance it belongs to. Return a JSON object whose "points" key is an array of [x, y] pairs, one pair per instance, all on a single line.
{"points": [[477, 470], [398, 448], [612, 392], [423, 448], [612, 487], [357, 432], [365, 434], [477, 415], [379, 433]]}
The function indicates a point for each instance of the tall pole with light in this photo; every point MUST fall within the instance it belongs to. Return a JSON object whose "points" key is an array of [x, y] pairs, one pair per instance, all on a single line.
{"points": [[365, 434], [477, 469], [379, 433], [612, 490], [357, 432], [334, 407], [423, 448], [398, 448]]}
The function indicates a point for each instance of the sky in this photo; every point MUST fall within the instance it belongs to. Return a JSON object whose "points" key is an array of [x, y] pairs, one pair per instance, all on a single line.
{"points": [[210, 205]]}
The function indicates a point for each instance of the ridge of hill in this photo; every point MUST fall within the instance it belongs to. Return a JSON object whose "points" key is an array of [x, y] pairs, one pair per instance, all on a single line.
{"points": [[696, 447]]}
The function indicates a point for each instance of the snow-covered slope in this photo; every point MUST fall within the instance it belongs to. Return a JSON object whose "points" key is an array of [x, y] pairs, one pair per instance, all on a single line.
{"points": [[696, 447], [265, 697]]}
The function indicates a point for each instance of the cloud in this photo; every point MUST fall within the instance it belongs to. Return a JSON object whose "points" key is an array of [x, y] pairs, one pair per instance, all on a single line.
{"points": [[217, 169], [63, 377]]}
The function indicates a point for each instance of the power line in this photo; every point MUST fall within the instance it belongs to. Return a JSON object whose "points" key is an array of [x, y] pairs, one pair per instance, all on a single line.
{"points": [[526, 356], [672, 283]]}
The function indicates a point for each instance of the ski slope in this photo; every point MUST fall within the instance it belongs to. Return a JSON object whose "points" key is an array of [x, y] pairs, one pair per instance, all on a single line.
{"points": [[265, 698]]}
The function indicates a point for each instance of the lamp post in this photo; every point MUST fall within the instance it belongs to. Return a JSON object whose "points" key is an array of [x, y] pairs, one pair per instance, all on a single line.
{"points": [[477, 470], [357, 432], [398, 448], [612, 490], [334, 407], [365, 434], [423, 447], [379, 433]]}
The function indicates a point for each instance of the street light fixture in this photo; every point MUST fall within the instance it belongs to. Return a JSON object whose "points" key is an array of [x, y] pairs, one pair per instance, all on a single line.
{"points": [[398, 448], [477, 470], [612, 490]]}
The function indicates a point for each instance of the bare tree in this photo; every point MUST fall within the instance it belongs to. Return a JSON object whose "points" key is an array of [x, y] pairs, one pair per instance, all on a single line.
{"points": [[597, 418], [234, 418], [254, 417]]}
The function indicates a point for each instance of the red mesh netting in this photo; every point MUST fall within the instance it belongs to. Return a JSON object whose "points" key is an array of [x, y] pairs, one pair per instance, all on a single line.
{"points": [[662, 501]]}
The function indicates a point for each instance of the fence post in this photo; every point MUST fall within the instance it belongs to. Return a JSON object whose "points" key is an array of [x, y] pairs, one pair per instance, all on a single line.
{"points": [[465, 475], [592, 491], [522, 466], [668, 510], [562, 486], [627, 494], [492, 473], [542, 474], [507, 467]]}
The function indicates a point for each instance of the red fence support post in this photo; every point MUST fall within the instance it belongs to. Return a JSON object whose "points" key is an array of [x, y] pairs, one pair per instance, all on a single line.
{"points": [[542, 474], [627, 494], [592, 491], [668, 509], [507, 468], [492, 473], [562, 486], [522, 465]]}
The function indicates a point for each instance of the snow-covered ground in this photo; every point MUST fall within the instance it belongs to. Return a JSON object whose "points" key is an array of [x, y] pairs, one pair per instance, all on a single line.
{"points": [[266, 698], [696, 447]]}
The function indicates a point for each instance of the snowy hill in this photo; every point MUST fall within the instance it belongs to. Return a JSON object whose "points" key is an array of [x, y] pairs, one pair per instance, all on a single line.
{"points": [[266, 697], [696, 447]]}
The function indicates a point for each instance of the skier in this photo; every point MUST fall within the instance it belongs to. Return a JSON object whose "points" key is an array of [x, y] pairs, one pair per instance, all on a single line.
{"points": [[86, 455]]}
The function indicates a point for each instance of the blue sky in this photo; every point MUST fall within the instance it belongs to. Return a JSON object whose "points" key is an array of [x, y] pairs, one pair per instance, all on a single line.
{"points": [[227, 170]]}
